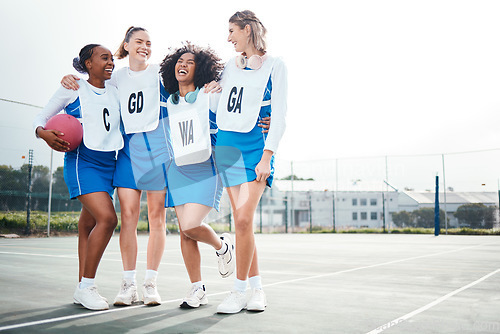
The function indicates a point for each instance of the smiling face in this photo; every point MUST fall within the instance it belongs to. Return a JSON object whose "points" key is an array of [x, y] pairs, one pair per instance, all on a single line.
{"points": [[185, 69], [100, 66], [238, 36], [139, 46]]}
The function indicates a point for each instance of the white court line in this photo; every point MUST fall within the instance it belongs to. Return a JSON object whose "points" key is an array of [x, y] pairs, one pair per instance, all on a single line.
{"points": [[77, 316], [371, 266], [138, 262], [428, 306], [45, 255], [76, 257]]}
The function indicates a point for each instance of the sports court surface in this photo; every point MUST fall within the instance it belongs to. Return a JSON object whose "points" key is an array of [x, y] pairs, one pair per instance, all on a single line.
{"points": [[319, 283]]}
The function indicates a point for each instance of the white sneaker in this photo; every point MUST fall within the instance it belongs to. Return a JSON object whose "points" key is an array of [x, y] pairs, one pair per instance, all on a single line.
{"points": [[75, 295], [196, 297], [127, 294], [257, 301], [234, 303], [150, 294], [90, 298], [227, 261]]}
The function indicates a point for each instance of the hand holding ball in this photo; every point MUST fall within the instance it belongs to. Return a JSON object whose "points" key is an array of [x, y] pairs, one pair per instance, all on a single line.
{"points": [[70, 127]]}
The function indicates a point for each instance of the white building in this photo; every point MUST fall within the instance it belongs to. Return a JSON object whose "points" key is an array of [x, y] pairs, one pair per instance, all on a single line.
{"points": [[449, 202], [285, 209]]}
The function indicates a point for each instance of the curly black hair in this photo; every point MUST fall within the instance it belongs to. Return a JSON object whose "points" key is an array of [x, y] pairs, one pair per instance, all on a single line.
{"points": [[208, 66]]}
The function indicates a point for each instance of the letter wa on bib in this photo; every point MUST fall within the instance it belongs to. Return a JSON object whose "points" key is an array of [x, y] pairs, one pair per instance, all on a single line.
{"points": [[100, 118], [190, 130], [242, 95], [139, 99]]}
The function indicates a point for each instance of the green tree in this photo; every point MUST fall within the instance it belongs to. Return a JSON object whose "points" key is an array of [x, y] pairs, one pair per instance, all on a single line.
{"points": [[40, 179], [403, 219], [59, 185], [424, 217], [13, 187], [475, 215], [296, 178]]}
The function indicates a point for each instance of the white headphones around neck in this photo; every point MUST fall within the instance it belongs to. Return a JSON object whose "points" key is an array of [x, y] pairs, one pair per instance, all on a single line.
{"points": [[254, 62]]}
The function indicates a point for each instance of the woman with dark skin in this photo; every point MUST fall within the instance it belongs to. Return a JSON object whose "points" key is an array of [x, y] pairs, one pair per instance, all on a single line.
{"points": [[88, 170], [195, 188]]}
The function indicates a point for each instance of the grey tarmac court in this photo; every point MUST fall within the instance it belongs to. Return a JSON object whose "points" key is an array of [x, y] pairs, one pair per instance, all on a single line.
{"points": [[315, 283]]}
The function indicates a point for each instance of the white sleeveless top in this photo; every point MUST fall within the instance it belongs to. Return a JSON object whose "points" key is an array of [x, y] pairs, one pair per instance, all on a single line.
{"points": [[139, 99], [242, 94], [100, 118], [190, 130]]}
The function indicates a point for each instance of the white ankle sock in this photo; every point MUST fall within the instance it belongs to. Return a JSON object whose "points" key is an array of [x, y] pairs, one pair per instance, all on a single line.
{"points": [[223, 249], [240, 285], [255, 282], [198, 284], [129, 275], [86, 282], [151, 274]]}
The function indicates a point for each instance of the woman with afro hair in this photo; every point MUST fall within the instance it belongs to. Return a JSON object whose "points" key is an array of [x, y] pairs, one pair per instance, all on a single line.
{"points": [[194, 185]]}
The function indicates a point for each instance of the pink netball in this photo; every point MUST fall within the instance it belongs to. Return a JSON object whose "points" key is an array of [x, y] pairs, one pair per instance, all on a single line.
{"points": [[70, 126]]}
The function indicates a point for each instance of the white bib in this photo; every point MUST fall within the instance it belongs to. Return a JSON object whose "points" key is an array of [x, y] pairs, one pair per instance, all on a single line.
{"points": [[242, 94], [139, 99], [190, 130], [100, 118]]}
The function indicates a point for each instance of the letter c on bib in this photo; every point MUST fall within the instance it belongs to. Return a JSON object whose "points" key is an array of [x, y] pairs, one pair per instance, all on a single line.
{"points": [[107, 125]]}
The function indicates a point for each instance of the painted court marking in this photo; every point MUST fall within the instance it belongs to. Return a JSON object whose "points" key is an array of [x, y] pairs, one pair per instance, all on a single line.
{"points": [[97, 313], [430, 305]]}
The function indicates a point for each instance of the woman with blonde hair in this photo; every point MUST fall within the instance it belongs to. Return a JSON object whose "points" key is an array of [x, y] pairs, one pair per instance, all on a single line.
{"points": [[254, 86]]}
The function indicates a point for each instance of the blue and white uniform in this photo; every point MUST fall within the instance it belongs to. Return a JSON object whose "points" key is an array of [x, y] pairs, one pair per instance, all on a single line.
{"points": [[248, 96], [147, 152], [90, 167], [192, 175]]}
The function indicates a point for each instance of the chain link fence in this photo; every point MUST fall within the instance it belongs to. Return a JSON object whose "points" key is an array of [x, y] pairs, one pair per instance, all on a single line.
{"points": [[377, 193]]}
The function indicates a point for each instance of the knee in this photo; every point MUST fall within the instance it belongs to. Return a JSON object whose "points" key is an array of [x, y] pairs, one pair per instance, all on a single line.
{"points": [[156, 214], [186, 236], [191, 233], [244, 224], [110, 221], [156, 224], [128, 214]]}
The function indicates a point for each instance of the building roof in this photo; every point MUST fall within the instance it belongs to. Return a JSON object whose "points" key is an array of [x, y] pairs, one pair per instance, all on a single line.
{"points": [[315, 185], [286, 185], [454, 197]]}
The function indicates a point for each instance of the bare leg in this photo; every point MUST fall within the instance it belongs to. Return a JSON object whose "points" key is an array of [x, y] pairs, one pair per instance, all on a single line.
{"points": [[157, 228], [130, 205], [254, 267], [244, 200], [85, 225], [193, 229], [100, 207], [192, 257]]}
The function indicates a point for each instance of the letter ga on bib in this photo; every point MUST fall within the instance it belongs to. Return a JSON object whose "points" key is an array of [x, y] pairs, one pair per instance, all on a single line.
{"points": [[242, 95]]}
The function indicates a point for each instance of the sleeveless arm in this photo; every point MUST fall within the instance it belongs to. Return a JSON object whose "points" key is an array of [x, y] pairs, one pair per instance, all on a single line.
{"points": [[61, 98], [279, 93]]}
